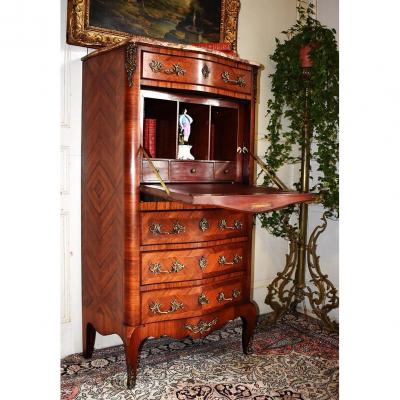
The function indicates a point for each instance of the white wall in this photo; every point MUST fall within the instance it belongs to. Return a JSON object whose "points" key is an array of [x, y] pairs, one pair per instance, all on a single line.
{"points": [[259, 22]]}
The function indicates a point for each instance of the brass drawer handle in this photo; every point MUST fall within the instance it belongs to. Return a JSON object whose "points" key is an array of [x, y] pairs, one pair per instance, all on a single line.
{"points": [[222, 224], [202, 326], [177, 228], [176, 69], [239, 81], [155, 307], [204, 224], [176, 267], [203, 299], [236, 260], [193, 171], [221, 296], [203, 262]]}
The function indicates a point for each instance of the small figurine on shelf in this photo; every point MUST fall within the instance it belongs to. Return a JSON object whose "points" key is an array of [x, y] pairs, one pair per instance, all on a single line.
{"points": [[185, 120]]}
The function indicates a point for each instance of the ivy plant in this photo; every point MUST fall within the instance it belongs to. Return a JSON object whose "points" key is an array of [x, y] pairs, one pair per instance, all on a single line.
{"points": [[286, 116]]}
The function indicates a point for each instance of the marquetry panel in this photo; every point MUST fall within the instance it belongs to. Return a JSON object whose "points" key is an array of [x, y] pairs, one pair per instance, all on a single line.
{"points": [[102, 193]]}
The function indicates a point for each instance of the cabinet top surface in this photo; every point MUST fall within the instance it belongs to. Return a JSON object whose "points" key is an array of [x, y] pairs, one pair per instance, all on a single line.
{"points": [[173, 46]]}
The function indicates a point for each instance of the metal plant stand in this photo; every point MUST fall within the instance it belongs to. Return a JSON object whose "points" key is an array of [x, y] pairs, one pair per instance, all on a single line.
{"points": [[289, 288]]}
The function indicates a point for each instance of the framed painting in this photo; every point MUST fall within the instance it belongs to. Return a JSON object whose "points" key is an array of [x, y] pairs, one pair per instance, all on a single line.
{"points": [[98, 23]]}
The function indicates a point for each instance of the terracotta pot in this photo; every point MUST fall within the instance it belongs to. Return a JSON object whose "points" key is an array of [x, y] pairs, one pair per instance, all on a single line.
{"points": [[304, 55]]}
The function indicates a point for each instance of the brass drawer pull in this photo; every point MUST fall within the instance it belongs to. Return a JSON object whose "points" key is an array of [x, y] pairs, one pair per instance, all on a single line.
{"points": [[202, 326], [203, 262], [176, 69], [176, 267], [203, 299], [155, 307], [203, 224], [177, 228], [221, 296], [239, 81], [222, 224], [193, 171], [236, 260]]}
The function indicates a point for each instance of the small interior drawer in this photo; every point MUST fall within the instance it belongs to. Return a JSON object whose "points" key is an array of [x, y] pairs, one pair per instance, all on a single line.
{"points": [[225, 170], [148, 174], [196, 171]]}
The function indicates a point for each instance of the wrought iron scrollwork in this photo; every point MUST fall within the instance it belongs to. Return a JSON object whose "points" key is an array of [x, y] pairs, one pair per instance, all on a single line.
{"points": [[239, 81], [175, 305], [202, 326], [177, 228], [158, 66], [284, 294]]}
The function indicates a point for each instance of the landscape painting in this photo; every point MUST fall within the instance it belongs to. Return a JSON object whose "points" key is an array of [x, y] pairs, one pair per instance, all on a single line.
{"points": [[178, 21]]}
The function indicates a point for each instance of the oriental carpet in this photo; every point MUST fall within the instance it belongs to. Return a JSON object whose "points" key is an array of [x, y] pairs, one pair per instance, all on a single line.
{"points": [[295, 359]]}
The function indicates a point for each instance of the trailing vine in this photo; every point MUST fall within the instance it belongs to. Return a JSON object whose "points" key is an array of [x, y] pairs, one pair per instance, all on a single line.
{"points": [[286, 116]]}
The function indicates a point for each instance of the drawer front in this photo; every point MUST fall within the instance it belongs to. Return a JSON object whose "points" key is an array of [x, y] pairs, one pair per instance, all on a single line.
{"points": [[192, 226], [161, 305], [225, 171], [195, 71], [148, 174], [192, 170], [183, 265]]}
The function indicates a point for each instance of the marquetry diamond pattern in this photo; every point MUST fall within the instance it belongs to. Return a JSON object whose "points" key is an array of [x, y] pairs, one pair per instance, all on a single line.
{"points": [[100, 188]]}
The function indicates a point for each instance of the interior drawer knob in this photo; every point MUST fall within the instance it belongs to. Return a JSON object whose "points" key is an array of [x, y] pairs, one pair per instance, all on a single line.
{"points": [[226, 171], [193, 171]]}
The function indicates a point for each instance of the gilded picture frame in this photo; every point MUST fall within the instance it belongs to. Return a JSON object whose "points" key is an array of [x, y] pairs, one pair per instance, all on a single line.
{"points": [[81, 33]]}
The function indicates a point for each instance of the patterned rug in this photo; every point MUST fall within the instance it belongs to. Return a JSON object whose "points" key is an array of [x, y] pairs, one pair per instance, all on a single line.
{"points": [[294, 359]]}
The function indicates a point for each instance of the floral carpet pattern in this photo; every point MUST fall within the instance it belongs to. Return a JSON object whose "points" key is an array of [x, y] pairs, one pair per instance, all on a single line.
{"points": [[295, 359]]}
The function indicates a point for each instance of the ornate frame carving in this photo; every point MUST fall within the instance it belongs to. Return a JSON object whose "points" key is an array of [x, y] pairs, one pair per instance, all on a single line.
{"points": [[80, 33]]}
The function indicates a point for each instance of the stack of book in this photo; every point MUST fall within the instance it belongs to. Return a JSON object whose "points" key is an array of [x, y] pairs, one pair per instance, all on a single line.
{"points": [[149, 134]]}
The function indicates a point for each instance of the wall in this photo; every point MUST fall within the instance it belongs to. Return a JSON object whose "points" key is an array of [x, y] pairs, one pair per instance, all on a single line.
{"points": [[260, 21]]}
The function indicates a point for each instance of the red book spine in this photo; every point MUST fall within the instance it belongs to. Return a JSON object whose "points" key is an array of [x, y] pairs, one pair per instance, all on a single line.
{"points": [[150, 130]]}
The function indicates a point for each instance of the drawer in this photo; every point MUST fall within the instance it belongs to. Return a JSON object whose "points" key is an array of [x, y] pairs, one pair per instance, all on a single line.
{"points": [[193, 264], [192, 226], [225, 171], [148, 174], [161, 305], [192, 170], [195, 71]]}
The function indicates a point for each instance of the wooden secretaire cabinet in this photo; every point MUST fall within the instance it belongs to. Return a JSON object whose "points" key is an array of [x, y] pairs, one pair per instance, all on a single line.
{"points": [[173, 258]]}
